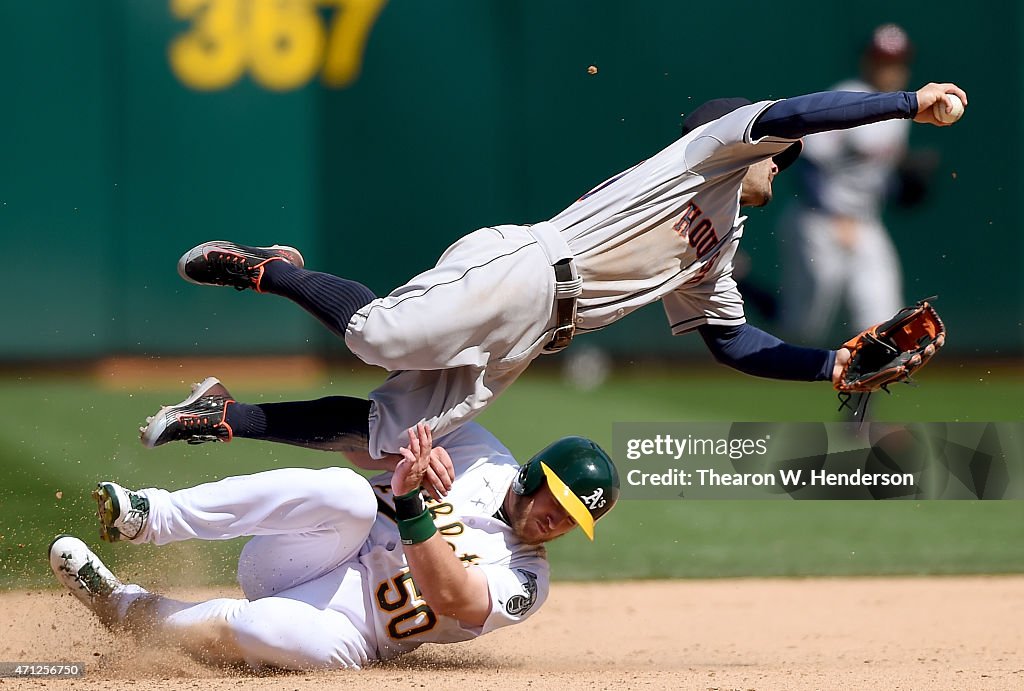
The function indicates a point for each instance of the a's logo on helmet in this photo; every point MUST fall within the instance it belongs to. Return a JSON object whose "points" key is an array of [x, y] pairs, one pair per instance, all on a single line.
{"points": [[517, 604], [595, 500]]}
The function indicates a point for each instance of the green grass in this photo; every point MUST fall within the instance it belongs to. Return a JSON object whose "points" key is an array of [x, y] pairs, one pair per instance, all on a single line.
{"points": [[64, 434]]}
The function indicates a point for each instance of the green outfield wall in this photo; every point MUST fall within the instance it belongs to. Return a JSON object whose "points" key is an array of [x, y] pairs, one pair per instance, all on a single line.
{"points": [[373, 133]]}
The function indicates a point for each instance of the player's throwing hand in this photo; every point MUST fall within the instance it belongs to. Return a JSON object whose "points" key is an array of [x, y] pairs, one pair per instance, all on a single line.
{"points": [[929, 94]]}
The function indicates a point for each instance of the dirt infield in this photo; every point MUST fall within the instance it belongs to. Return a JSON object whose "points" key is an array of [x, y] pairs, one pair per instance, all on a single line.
{"points": [[870, 633]]}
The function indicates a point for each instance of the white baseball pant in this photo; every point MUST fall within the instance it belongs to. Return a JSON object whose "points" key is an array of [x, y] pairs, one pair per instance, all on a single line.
{"points": [[305, 606]]}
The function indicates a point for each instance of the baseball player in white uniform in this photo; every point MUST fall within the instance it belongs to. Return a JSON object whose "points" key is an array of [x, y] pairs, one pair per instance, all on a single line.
{"points": [[834, 246], [456, 336], [342, 571]]}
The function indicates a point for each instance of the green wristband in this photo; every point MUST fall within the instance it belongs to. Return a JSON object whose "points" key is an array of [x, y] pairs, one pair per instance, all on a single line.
{"points": [[417, 529]]}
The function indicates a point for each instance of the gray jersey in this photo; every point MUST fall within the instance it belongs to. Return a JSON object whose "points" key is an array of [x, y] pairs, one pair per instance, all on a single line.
{"points": [[668, 228], [850, 170], [460, 333]]}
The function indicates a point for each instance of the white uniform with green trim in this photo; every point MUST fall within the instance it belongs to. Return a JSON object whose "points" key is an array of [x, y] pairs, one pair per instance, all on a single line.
{"points": [[517, 574], [667, 229], [325, 577]]}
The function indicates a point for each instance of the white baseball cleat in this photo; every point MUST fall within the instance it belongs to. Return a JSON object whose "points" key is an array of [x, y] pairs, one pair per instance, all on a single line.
{"points": [[122, 512], [79, 570]]}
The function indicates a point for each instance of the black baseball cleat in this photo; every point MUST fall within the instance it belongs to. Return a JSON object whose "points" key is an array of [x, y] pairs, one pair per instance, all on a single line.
{"points": [[199, 418], [222, 263]]}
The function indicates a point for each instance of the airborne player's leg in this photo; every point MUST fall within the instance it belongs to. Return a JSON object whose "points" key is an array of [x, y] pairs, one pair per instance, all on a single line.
{"points": [[336, 423], [277, 270], [463, 330], [210, 413], [489, 297], [331, 299]]}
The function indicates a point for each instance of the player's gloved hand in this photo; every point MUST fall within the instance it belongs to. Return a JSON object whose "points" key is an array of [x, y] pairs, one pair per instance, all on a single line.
{"points": [[842, 360], [889, 352], [929, 94], [422, 466]]}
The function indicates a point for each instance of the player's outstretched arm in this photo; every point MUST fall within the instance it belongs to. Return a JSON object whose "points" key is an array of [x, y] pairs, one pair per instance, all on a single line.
{"points": [[799, 116], [753, 351], [448, 587]]}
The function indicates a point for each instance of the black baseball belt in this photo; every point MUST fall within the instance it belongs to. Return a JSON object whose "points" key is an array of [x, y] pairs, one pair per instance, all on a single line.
{"points": [[565, 307]]}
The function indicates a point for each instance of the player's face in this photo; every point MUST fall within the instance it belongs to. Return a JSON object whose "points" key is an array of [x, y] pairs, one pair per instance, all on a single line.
{"points": [[539, 517], [756, 188]]}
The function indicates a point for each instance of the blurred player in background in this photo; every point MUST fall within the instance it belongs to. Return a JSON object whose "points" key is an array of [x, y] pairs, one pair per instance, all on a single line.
{"points": [[456, 336], [834, 245], [343, 571]]}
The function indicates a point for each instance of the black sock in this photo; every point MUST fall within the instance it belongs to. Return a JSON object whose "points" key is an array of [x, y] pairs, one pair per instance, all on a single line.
{"points": [[331, 299], [334, 423]]}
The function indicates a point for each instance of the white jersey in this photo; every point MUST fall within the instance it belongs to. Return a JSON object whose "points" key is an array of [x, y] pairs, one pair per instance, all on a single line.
{"points": [[517, 574], [668, 228], [324, 576]]}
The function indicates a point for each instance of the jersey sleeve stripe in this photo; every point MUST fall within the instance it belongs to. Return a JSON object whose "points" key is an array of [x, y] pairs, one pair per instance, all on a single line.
{"points": [[690, 324]]}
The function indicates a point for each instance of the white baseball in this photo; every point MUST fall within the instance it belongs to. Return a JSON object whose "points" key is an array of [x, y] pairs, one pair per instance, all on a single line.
{"points": [[957, 106]]}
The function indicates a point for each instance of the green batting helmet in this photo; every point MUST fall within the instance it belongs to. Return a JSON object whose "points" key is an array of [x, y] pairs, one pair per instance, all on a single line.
{"points": [[580, 475]]}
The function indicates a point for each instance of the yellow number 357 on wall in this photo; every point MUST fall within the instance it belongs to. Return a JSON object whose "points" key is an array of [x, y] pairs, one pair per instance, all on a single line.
{"points": [[281, 43]]}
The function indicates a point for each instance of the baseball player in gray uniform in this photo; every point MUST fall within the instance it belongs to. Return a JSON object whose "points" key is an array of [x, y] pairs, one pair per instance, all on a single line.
{"points": [[456, 336], [343, 571], [834, 246]]}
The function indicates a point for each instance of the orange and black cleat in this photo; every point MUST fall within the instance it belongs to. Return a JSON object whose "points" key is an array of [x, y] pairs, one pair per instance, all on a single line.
{"points": [[222, 263], [198, 419]]}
